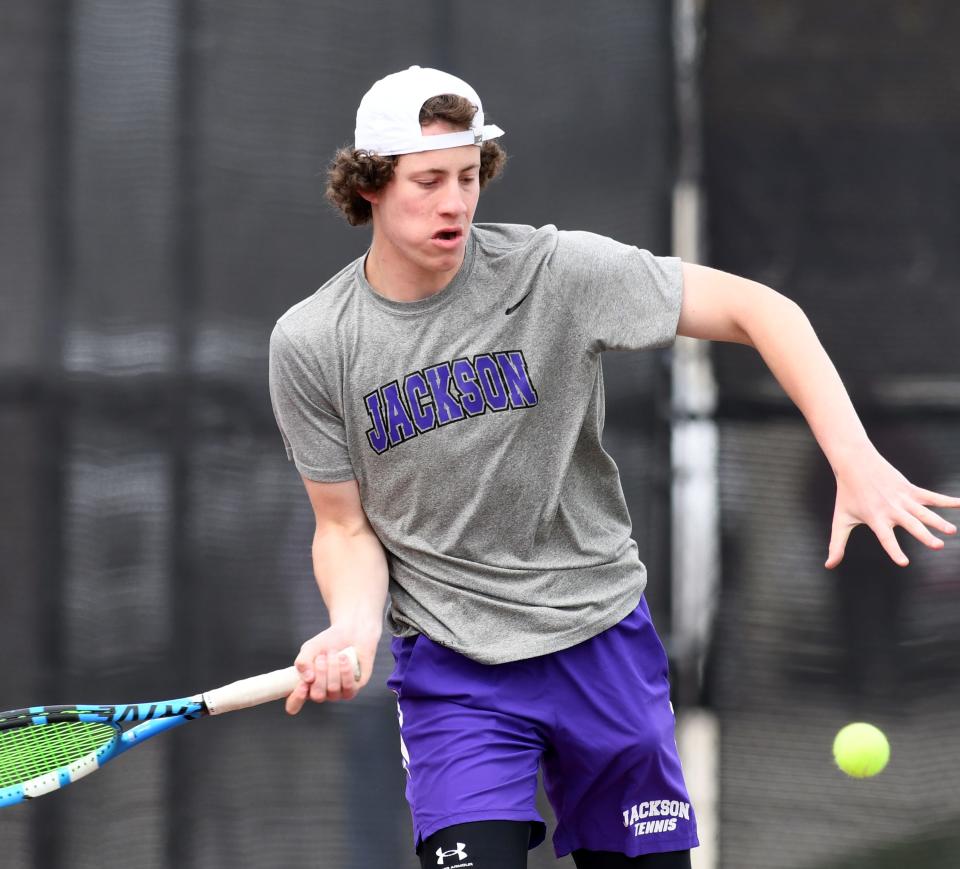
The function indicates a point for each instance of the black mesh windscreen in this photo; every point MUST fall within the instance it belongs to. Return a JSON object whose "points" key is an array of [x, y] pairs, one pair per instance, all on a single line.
{"points": [[830, 135], [802, 650]]}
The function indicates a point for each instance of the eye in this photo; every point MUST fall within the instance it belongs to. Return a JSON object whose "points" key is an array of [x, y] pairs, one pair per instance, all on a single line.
{"points": [[427, 183], [469, 179]]}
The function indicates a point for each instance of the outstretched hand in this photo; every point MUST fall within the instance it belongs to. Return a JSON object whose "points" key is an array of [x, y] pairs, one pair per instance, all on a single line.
{"points": [[871, 492]]}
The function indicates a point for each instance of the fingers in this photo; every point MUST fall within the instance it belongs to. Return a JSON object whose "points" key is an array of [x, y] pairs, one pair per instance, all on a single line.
{"points": [[331, 678], [936, 499], [933, 520], [916, 521], [911, 523], [299, 695], [296, 698], [838, 544], [341, 673], [334, 678], [318, 689], [888, 540], [913, 517], [873, 492]]}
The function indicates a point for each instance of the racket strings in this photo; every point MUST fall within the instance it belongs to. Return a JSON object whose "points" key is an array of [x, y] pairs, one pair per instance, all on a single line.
{"points": [[35, 750]]}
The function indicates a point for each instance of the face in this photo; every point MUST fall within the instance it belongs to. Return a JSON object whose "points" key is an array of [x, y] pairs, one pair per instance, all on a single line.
{"points": [[424, 213]]}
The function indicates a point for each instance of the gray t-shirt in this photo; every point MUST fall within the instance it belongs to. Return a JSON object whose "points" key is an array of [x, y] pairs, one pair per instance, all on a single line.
{"points": [[474, 434]]}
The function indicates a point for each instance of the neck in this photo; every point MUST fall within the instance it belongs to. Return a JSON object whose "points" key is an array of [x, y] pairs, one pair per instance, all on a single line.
{"points": [[400, 279]]}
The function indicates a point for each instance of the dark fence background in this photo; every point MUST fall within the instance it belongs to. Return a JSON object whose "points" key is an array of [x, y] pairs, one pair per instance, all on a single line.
{"points": [[161, 178], [831, 135]]}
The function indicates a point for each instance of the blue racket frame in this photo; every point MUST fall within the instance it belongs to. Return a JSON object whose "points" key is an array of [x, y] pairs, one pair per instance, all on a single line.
{"points": [[153, 718]]}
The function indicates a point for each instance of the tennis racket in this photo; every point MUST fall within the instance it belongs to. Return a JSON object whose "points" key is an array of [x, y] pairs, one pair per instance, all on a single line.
{"points": [[45, 748]]}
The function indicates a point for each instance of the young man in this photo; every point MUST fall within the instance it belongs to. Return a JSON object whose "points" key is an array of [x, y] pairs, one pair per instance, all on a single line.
{"points": [[443, 401]]}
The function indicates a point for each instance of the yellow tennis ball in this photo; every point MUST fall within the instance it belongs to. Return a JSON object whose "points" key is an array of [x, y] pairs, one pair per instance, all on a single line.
{"points": [[861, 750]]}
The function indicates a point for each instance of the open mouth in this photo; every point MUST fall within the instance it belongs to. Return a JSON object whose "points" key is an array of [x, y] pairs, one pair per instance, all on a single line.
{"points": [[448, 234]]}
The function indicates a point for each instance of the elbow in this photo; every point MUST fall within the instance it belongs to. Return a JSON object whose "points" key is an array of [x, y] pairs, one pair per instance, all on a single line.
{"points": [[768, 315], [342, 530]]}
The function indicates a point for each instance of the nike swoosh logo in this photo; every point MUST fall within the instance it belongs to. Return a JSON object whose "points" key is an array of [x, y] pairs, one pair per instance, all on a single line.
{"points": [[513, 308]]}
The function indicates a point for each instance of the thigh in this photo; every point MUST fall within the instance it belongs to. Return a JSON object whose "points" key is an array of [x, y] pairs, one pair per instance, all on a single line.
{"points": [[611, 860], [469, 755], [480, 844], [613, 774]]}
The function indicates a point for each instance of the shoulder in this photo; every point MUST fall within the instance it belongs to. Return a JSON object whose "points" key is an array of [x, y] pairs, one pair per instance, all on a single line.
{"points": [[587, 256], [317, 314], [575, 243], [562, 250], [503, 239]]}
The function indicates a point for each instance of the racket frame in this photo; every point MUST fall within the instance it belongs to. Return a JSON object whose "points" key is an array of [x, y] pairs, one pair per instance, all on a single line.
{"points": [[153, 718]]}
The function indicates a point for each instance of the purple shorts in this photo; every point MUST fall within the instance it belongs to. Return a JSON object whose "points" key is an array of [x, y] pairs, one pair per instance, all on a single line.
{"points": [[596, 716]]}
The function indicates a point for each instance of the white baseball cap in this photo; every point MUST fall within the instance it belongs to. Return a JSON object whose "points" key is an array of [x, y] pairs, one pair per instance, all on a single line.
{"points": [[388, 120]]}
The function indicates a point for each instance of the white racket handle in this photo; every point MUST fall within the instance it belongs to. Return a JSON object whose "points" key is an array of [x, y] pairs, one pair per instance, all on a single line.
{"points": [[262, 689]]}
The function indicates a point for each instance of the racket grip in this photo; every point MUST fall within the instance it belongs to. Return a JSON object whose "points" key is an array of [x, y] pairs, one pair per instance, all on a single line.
{"points": [[262, 689]]}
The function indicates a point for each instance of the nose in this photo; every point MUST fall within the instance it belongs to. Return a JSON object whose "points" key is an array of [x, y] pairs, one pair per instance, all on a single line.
{"points": [[454, 201]]}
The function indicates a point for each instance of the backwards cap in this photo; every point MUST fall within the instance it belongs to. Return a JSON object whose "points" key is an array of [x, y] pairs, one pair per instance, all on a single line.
{"points": [[388, 119]]}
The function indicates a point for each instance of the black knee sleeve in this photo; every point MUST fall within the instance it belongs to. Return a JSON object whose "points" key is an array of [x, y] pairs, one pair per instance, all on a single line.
{"points": [[611, 860], [478, 845]]}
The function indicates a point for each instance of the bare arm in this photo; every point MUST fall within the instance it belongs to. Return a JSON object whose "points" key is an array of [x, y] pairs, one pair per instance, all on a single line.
{"points": [[350, 566], [722, 307]]}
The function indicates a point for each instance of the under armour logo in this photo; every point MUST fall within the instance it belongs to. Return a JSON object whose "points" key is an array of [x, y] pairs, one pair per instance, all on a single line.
{"points": [[458, 852]]}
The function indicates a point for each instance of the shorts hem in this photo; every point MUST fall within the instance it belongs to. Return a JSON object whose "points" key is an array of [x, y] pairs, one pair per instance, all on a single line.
{"points": [[659, 846], [537, 834]]}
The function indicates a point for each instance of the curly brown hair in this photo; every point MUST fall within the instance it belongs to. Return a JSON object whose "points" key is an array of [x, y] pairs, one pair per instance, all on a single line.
{"points": [[354, 170]]}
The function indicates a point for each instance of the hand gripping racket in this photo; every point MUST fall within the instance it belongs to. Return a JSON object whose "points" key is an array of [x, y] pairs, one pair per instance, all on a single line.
{"points": [[44, 748]]}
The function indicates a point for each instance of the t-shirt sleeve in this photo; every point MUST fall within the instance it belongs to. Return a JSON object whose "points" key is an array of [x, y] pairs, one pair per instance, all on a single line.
{"points": [[310, 424], [621, 297]]}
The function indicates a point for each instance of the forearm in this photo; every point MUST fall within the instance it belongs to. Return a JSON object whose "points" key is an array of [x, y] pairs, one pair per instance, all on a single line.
{"points": [[350, 566], [717, 306], [783, 336]]}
